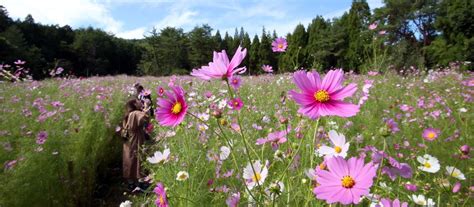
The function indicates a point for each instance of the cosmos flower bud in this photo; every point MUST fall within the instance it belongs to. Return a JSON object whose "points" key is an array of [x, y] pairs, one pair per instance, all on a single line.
{"points": [[465, 149], [217, 114], [384, 131], [411, 187], [275, 188]]}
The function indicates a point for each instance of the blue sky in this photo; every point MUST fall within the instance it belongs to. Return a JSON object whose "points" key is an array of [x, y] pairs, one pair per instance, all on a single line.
{"points": [[135, 18]]}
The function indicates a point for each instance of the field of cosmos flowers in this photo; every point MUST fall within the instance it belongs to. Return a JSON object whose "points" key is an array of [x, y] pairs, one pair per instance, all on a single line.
{"points": [[220, 138]]}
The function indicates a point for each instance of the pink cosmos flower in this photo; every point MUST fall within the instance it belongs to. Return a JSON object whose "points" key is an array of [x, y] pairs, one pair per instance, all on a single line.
{"points": [[382, 32], [10, 164], [233, 200], [172, 108], [59, 70], [430, 134], [146, 92], [41, 137], [57, 104], [19, 62], [323, 98], [396, 203], [411, 187], [392, 125], [275, 138], [346, 181], [456, 187], [161, 200], [279, 45], [235, 81], [236, 103], [373, 26], [220, 67], [372, 73], [267, 68]]}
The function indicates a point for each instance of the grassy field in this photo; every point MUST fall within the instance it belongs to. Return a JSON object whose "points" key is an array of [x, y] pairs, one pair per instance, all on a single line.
{"points": [[80, 117]]}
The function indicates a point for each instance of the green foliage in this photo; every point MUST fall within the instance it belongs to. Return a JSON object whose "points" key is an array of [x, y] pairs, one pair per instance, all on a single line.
{"points": [[438, 32], [62, 171], [295, 56], [201, 46], [164, 52]]}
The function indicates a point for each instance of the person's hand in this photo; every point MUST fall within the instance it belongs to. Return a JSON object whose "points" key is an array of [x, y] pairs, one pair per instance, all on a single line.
{"points": [[146, 108]]}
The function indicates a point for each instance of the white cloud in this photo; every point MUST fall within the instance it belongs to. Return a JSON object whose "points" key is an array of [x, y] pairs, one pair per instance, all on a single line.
{"points": [[71, 12], [137, 33], [178, 19]]}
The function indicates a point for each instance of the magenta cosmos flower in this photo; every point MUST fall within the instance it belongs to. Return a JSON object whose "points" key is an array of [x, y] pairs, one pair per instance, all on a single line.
{"points": [[236, 104], [279, 45], [430, 134], [323, 98], [161, 200], [172, 108], [346, 181], [220, 67], [275, 138]]}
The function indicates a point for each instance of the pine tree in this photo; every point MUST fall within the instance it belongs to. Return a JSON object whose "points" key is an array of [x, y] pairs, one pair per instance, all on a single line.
{"points": [[254, 60]]}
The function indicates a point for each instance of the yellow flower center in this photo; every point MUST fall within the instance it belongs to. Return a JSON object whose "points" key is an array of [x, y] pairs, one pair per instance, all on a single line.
{"points": [[455, 174], [348, 182], [162, 201], [321, 96], [176, 108], [236, 103], [427, 165], [280, 46], [182, 176], [431, 135], [322, 166], [337, 149], [257, 177], [235, 81]]}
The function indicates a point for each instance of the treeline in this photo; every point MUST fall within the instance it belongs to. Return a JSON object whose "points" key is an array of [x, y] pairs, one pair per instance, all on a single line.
{"points": [[421, 33]]}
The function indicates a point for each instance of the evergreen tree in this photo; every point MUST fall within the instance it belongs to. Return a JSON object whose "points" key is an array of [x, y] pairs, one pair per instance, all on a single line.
{"points": [[254, 65], [200, 46], [319, 47], [246, 43], [265, 49]]}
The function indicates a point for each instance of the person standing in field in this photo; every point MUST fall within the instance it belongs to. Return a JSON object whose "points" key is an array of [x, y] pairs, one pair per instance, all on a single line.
{"points": [[145, 97], [134, 123]]}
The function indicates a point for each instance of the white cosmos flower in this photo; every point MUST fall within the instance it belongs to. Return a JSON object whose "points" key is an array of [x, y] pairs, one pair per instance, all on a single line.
{"points": [[159, 157], [462, 110], [202, 127], [203, 116], [222, 104], [339, 148], [225, 151], [429, 163], [452, 171], [126, 203], [182, 176], [251, 179], [421, 200]]}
